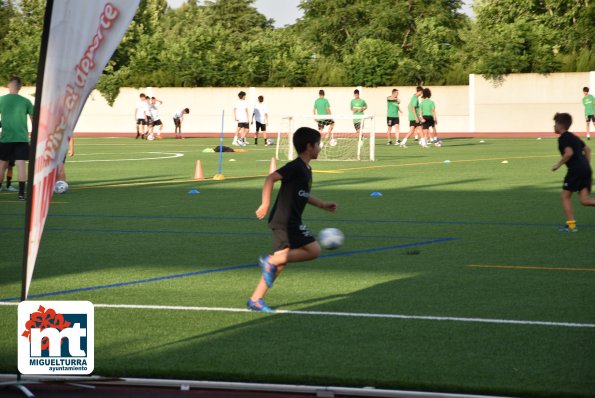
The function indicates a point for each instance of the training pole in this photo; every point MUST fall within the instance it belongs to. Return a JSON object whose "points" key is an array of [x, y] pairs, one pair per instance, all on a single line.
{"points": [[219, 175]]}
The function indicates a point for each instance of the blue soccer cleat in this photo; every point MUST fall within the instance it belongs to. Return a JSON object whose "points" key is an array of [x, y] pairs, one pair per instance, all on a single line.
{"points": [[258, 306], [566, 228], [269, 271]]}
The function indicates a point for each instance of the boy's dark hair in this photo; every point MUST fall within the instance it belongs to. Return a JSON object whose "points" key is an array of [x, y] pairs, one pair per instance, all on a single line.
{"points": [[564, 119], [356, 91], [418, 89], [260, 98], [585, 89], [187, 110], [304, 136], [427, 93], [241, 94], [142, 95], [321, 92], [15, 79], [394, 90], [153, 98]]}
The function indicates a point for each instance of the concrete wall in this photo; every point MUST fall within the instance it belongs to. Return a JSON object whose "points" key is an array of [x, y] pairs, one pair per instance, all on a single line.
{"points": [[522, 103]]}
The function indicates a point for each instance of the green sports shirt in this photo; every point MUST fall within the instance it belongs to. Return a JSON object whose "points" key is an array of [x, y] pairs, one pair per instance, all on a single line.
{"points": [[413, 103], [589, 105], [14, 109], [321, 105], [358, 105], [427, 106], [392, 105]]}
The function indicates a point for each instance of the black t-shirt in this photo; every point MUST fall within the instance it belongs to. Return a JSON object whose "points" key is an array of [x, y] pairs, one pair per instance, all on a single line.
{"points": [[293, 195], [578, 162]]}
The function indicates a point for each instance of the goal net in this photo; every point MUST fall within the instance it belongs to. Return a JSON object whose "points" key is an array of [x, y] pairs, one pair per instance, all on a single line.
{"points": [[343, 143]]}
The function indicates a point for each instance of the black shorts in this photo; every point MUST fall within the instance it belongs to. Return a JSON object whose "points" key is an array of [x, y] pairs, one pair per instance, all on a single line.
{"points": [[357, 125], [260, 127], [429, 122], [326, 122], [11, 151], [157, 122], [243, 125], [590, 118], [177, 122], [392, 121], [413, 123], [575, 182], [292, 237], [141, 122]]}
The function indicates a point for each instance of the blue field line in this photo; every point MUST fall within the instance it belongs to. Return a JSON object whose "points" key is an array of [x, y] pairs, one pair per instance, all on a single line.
{"points": [[326, 220], [215, 270], [183, 232]]}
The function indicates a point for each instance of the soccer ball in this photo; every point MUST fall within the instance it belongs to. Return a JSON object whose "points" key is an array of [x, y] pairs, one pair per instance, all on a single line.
{"points": [[150, 137], [60, 187], [331, 238], [270, 141], [333, 142]]}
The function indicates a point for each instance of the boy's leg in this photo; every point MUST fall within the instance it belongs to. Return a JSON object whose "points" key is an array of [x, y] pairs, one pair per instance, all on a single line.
{"points": [[585, 197], [22, 174], [566, 196], [330, 130], [397, 133], [388, 131]]}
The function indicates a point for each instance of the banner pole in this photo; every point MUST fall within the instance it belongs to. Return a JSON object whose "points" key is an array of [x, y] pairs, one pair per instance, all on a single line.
{"points": [[34, 132]]}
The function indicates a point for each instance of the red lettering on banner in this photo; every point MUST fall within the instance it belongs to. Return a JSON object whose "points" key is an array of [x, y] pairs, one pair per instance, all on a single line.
{"points": [[81, 71]]}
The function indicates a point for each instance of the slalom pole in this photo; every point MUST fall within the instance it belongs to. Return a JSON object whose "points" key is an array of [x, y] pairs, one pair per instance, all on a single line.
{"points": [[219, 175]]}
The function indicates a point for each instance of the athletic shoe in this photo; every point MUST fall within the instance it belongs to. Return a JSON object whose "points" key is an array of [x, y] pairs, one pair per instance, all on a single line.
{"points": [[566, 228], [259, 306], [398, 142], [12, 189], [269, 271], [235, 142], [402, 145], [389, 143], [21, 197]]}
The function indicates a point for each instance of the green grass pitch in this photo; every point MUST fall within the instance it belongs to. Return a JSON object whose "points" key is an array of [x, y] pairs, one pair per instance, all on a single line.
{"points": [[486, 234]]}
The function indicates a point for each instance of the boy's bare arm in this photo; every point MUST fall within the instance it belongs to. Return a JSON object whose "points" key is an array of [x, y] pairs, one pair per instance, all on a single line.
{"points": [[568, 152], [267, 191], [328, 206]]}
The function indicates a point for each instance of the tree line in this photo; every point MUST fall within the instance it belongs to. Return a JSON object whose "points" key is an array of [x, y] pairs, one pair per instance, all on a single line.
{"points": [[336, 43]]}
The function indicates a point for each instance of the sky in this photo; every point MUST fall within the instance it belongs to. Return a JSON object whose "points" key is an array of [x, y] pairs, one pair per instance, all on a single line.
{"points": [[285, 12]]}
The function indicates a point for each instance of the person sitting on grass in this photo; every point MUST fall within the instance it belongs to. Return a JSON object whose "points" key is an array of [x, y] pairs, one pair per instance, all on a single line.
{"points": [[292, 241], [576, 156]]}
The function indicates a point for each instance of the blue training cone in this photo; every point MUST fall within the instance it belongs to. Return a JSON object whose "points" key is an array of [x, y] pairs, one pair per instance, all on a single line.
{"points": [[193, 192], [376, 194]]}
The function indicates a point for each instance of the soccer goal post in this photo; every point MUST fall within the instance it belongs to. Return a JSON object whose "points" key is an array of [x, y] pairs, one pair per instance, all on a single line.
{"points": [[352, 136]]}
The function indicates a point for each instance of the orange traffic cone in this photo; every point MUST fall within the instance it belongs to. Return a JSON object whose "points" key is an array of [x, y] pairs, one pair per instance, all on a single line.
{"points": [[273, 166], [198, 175]]}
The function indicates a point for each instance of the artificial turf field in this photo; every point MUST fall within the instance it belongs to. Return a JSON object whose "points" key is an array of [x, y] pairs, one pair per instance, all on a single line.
{"points": [[455, 280]]}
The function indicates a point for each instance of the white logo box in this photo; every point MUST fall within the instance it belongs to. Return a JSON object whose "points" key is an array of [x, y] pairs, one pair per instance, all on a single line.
{"points": [[56, 337]]}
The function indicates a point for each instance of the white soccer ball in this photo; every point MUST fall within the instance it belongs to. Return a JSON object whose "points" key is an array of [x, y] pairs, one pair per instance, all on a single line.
{"points": [[61, 187], [270, 141], [150, 137], [331, 238], [333, 142]]}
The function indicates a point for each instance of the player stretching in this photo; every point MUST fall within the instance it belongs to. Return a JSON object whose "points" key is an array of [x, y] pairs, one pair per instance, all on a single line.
{"points": [[589, 104], [292, 241], [576, 155], [323, 107], [141, 116], [178, 119], [414, 119], [392, 116], [358, 106]]}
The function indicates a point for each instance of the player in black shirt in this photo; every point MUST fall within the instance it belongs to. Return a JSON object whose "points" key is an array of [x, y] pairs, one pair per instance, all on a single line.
{"points": [[576, 155], [292, 241]]}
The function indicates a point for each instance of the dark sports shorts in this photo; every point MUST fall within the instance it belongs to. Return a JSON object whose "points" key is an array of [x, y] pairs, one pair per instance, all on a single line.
{"points": [[157, 122], [293, 237], [323, 123], [429, 122], [392, 121], [575, 182], [141, 121], [413, 123], [260, 127], [357, 125], [243, 125], [11, 151], [177, 122], [590, 118]]}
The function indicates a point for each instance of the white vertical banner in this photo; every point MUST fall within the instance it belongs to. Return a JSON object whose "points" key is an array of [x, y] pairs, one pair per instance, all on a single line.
{"points": [[83, 35]]}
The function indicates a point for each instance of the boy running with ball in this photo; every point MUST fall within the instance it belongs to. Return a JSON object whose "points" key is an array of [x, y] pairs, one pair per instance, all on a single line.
{"points": [[292, 241], [576, 155]]}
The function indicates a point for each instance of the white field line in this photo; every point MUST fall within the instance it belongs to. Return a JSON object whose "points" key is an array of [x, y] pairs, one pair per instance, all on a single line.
{"points": [[170, 156], [349, 314]]}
